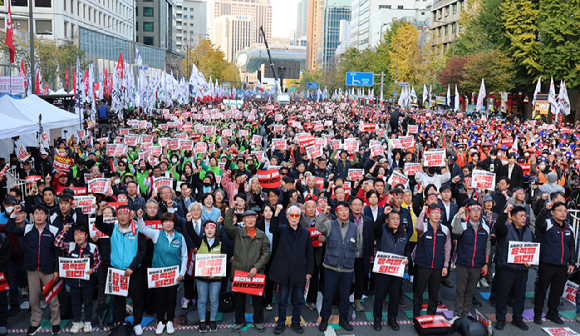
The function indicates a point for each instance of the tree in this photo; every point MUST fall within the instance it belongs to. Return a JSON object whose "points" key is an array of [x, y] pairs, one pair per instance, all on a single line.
{"points": [[521, 30], [494, 66], [210, 61], [403, 53], [453, 73]]}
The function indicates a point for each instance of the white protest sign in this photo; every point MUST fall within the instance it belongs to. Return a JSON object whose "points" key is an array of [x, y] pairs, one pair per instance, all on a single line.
{"points": [[434, 158], [117, 283], [162, 277], [74, 268], [522, 252], [210, 265], [390, 264], [397, 178], [483, 179], [570, 290]]}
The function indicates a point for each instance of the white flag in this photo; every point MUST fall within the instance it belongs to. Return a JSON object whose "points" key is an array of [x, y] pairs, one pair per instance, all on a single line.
{"points": [[481, 96], [563, 100], [448, 95], [536, 91], [430, 99], [414, 95], [552, 97], [456, 99], [424, 93]]}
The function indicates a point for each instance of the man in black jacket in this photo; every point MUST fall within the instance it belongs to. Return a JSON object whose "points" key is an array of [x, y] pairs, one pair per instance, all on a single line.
{"points": [[514, 172]]}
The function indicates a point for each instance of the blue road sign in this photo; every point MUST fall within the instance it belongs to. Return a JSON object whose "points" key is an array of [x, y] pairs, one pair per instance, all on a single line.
{"points": [[403, 84], [360, 78], [312, 85]]}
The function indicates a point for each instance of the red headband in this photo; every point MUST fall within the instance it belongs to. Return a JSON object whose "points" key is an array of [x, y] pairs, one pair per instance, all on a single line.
{"points": [[429, 210], [211, 224], [474, 207], [338, 207], [127, 210]]}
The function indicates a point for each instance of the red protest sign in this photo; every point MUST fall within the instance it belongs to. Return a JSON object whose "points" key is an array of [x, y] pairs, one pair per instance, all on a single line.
{"points": [[314, 236], [51, 289], [79, 190], [33, 178], [269, 178], [100, 186], [190, 263], [3, 283], [243, 284], [61, 162], [433, 321]]}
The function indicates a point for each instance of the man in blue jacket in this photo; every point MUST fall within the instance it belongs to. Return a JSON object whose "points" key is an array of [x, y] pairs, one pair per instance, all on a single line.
{"points": [[557, 259], [40, 262]]}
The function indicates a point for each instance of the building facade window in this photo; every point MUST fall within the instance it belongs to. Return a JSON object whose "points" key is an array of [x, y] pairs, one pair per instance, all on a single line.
{"points": [[147, 11], [148, 26], [42, 3], [148, 40], [446, 30], [400, 7], [454, 8]]}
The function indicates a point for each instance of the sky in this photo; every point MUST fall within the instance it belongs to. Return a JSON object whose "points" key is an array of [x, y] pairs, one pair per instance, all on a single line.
{"points": [[283, 17]]}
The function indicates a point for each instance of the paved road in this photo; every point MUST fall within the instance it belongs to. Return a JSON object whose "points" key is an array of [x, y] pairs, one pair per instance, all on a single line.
{"points": [[20, 322]]}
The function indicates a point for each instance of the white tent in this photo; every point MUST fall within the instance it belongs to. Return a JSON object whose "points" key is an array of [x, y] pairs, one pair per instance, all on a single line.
{"points": [[19, 117], [60, 91]]}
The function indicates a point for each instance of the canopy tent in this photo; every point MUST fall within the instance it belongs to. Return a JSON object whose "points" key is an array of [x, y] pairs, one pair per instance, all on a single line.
{"points": [[60, 91], [20, 118]]}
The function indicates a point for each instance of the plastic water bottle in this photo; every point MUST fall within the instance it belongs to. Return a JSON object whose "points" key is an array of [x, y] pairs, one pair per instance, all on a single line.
{"points": [[353, 315]]}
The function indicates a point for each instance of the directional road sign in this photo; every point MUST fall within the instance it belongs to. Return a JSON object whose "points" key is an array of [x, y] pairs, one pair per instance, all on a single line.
{"points": [[360, 78]]}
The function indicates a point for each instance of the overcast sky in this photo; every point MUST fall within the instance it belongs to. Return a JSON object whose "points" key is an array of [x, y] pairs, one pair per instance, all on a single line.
{"points": [[283, 17]]}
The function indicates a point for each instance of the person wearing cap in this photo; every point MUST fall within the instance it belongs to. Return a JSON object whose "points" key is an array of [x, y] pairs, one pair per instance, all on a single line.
{"points": [[519, 199], [42, 161], [128, 249], [66, 215], [342, 242], [391, 237], [511, 278], [292, 265], [557, 259], [169, 250], [40, 262], [25, 170], [473, 251], [81, 290], [433, 252], [9, 204], [234, 185], [251, 254], [342, 164]]}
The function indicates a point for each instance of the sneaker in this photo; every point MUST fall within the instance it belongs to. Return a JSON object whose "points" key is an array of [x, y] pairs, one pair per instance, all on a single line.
{"points": [[238, 327], [455, 318], [76, 327], [32, 330], [160, 328], [138, 329], [55, 330], [479, 284], [297, 328], [170, 329], [88, 327], [411, 278], [269, 307], [186, 303], [259, 327], [483, 283], [202, 327], [212, 326], [279, 329], [311, 306], [358, 306], [24, 292]]}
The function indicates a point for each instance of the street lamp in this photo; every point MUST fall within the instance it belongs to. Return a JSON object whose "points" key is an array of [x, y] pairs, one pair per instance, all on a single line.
{"points": [[30, 16], [455, 34]]}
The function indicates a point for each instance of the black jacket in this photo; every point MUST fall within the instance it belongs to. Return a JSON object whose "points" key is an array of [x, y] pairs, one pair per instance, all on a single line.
{"points": [[517, 177]]}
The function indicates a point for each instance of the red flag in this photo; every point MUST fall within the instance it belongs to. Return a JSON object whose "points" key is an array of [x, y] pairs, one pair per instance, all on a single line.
{"points": [[86, 81], [74, 79], [10, 33], [66, 78], [119, 69], [37, 84], [22, 72]]}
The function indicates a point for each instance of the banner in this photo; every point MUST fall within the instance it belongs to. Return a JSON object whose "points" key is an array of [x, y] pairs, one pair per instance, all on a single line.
{"points": [[411, 168], [314, 152], [570, 290], [433, 321], [269, 178], [74, 268], [210, 265], [314, 234], [85, 203], [483, 179], [389, 264], [243, 284], [412, 129], [560, 331], [355, 174], [434, 158], [162, 181], [61, 162], [397, 178], [117, 283], [100, 186], [190, 263], [94, 232], [520, 252], [162, 277], [51, 289]]}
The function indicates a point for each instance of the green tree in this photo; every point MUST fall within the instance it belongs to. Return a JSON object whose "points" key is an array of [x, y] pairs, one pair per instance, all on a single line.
{"points": [[404, 54], [210, 61], [494, 66]]}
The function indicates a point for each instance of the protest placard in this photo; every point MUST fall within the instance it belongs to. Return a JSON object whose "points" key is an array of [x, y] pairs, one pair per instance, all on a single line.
{"points": [[411, 168], [200, 148], [131, 140], [159, 182], [173, 144], [377, 150], [100, 186], [186, 144], [156, 150], [94, 232], [314, 234], [407, 141], [351, 145], [117, 283], [390, 264], [397, 178], [162, 277], [243, 284], [61, 162], [89, 176], [85, 203], [74, 268], [570, 290], [434, 158], [210, 265], [520, 252], [355, 174], [279, 144], [412, 129], [269, 178], [482, 179], [51, 289], [314, 152], [560, 331], [3, 283]]}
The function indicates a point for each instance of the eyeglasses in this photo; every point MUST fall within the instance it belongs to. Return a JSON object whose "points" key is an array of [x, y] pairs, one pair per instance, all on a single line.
{"points": [[294, 215]]}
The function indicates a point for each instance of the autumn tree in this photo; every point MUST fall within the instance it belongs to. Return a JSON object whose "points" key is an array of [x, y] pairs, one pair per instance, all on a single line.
{"points": [[403, 53], [453, 73], [210, 61], [494, 66]]}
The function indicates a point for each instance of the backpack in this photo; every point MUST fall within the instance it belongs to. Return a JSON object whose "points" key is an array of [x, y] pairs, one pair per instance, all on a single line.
{"points": [[106, 314], [468, 327], [123, 329], [227, 302]]}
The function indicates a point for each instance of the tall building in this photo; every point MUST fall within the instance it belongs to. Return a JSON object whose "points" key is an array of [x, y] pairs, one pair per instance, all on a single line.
{"points": [[302, 19], [191, 23], [324, 18], [155, 23], [370, 18], [445, 27], [233, 33], [259, 10]]}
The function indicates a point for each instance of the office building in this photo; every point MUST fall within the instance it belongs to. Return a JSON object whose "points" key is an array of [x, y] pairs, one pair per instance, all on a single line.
{"points": [[233, 33], [445, 15], [302, 19], [191, 23], [324, 18], [259, 10]]}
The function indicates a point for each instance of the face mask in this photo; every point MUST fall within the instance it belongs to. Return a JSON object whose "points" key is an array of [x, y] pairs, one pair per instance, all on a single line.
{"points": [[117, 181], [174, 160], [542, 166], [9, 209], [206, 184], [534, 186], [577, 162], [526, 154], [431, 170]]}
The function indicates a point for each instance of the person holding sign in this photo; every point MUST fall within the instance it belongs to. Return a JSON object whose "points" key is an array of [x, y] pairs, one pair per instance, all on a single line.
{"points": [[169, 250], [391, 237], [292, 266], [66, 215], [208, 287], [432, 256], [511, 278], [473, 248], [81, 291], [128, 248], [40, 263], [251, 254], [557, 259]]}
